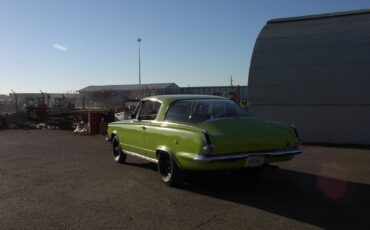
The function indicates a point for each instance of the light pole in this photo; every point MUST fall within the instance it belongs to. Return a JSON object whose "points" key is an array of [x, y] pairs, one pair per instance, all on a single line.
{"points": [[139, 41]]}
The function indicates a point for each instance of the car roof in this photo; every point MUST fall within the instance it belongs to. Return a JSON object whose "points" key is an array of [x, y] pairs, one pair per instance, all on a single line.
{"points": [[168, 99]]}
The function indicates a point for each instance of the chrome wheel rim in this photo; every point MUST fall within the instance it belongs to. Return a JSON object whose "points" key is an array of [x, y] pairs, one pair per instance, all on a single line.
{"points": [[116, 149], [165, 166]]}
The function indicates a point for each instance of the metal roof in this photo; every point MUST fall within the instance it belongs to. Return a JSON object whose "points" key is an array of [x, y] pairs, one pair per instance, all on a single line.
{"points": [[104, 88], [214, 86], [320, 16], [167, 99], [4, 97]]}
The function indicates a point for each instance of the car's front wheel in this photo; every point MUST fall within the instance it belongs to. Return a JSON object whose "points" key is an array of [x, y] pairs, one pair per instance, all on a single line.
{"points": [[118, 154], [170, 173]]}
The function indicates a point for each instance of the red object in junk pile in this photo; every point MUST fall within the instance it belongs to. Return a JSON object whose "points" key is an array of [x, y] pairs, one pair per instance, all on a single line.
{"points": [[41, 106], [94, 120]]}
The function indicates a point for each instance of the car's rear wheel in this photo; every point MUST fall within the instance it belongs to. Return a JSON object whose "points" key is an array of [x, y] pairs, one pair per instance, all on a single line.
{"points": [[118, 155], [170, 173]]}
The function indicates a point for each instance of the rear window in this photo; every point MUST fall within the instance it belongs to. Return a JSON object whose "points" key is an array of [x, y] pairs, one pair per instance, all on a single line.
{"points": [[197, 111]]}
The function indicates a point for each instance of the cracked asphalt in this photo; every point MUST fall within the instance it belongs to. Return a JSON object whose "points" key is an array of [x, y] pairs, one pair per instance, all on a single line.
{"points": [[57, 180]]}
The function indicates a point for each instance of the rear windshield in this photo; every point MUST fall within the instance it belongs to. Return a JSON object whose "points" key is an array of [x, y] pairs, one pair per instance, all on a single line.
{"points": [[197, 111]]}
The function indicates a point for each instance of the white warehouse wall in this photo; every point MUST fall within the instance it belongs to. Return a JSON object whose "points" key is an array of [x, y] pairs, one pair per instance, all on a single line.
{"points": [[314, 72]]}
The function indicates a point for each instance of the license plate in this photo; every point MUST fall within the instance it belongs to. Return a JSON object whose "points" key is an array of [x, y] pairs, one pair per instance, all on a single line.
{"points": [[254, 161]]}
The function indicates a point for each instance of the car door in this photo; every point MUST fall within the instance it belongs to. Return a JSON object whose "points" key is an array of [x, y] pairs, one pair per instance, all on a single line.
{"points": [[133, 134], [152, 132], [141, 126]]}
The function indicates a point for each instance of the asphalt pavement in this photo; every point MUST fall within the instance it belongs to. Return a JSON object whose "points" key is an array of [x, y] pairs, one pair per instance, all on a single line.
{"points": [[58, 180]]}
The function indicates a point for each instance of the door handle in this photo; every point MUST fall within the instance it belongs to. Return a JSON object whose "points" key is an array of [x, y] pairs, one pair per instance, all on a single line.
{"points": [[143, 127]]}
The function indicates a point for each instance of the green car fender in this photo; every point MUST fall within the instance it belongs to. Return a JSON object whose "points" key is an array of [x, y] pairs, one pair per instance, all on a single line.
{"points": [[288, 128], [184, 143]]}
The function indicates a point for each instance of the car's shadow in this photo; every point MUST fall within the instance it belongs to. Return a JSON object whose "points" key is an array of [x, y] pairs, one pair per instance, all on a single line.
{"points": [[316, 200], [147, 165]]}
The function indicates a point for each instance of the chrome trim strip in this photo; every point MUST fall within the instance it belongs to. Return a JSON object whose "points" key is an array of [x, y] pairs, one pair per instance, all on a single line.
{"points": [[141, 156], [224, 157]]}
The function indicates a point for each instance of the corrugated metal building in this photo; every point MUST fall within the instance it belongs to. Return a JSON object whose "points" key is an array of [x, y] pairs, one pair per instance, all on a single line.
{"points": [[240, 92], [134, 90], [314, 71], [111, 96]]}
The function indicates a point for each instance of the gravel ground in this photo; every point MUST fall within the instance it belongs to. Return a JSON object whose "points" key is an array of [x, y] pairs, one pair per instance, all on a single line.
{"points": [[56, 180]]}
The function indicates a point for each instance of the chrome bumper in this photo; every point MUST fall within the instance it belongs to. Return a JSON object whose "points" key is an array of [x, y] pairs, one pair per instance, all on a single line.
{"points": [[238, 156]]}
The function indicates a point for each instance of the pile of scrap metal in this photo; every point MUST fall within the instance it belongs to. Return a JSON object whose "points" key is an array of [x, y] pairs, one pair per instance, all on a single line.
{"points": [[2, 121], [39, 112], [66, 119], [13, 120], [81, 128], [64, 104], [97, 123], [47, 119], [20, 121]]}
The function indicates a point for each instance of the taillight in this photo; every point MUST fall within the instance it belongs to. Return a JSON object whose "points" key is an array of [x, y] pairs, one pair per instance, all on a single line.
{"points": [[298, 140], [208, 147]]}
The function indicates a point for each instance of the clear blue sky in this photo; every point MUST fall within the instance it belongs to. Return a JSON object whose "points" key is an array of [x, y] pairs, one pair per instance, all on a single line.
{"points": [[60, 45]]}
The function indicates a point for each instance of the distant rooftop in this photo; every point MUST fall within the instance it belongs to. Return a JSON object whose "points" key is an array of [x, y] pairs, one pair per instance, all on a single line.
{"points": [[320, 16], [3, 97], [177, 97], [105, 88]]}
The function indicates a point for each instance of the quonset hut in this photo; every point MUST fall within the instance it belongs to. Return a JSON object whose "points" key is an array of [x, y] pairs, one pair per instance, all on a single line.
{"points": [[314, 72]]}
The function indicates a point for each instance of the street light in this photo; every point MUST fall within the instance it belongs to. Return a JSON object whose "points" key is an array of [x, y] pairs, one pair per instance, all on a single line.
{"points": [[139, 41]]}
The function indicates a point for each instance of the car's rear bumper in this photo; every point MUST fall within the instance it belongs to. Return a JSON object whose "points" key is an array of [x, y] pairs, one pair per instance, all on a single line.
{"points": [[232, 161], [238, 156]]}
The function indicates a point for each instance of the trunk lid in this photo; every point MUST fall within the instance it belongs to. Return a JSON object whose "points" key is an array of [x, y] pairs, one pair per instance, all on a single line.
{"points": [[247, 134]]}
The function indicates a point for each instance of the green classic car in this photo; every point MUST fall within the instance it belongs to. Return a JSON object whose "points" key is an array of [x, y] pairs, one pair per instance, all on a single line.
{"points": [[199, 132]]}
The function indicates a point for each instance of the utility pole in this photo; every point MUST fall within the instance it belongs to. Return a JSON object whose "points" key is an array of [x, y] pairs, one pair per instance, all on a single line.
{"points": [[16, 101], [43, 97], [231, 81], [139, 41]]}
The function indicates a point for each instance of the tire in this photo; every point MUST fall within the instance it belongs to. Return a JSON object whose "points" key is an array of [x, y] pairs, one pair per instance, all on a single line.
{"points": [[170, 173], [118, 155]]}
